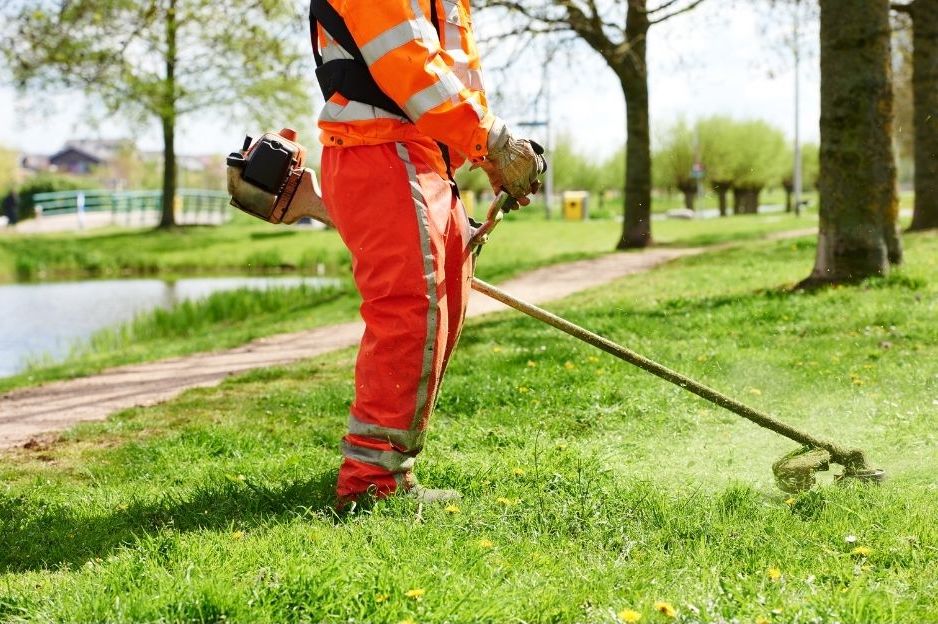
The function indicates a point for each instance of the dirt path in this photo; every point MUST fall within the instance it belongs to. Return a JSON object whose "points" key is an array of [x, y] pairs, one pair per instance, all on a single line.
{"points": [[56, 406]]}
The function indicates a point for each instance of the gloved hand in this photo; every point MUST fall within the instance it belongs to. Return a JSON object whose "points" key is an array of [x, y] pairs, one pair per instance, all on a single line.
{"points": [[513, 165]]}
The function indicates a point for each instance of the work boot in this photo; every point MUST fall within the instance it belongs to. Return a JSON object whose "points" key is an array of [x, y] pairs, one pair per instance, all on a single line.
{"points": [[421, 494], [430, 496]]}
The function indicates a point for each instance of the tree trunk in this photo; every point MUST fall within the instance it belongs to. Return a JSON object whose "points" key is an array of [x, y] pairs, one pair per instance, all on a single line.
{"points": [[789, 187], [689, 189], [751, 199], [925, 89], [721, 189], [859, 203], [168, 116], [738, 207], [168, 217], [633, 76]]}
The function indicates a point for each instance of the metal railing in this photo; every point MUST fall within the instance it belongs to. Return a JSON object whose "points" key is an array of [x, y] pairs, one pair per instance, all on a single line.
{"points": [[193, 206]]}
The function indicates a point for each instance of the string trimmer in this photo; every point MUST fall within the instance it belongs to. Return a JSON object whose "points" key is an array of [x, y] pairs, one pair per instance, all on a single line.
{"points": [[794, 472], [268, 180]]}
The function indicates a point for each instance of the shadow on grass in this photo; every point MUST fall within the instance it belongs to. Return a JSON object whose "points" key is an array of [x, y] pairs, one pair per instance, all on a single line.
{"points": [[37, 535]]}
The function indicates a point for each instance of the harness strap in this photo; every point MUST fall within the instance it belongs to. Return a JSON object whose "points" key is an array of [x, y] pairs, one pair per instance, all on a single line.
{"points": [[348, 77], [351, 77]]}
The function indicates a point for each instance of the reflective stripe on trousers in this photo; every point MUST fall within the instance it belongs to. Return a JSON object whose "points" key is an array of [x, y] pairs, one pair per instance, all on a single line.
{"points": [[407, 233]]}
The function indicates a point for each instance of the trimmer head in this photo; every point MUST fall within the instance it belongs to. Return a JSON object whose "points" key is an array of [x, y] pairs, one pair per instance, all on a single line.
{"points": [[795, 472]]}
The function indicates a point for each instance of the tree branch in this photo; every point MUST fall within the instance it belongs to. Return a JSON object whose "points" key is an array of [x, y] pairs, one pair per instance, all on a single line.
{"points": [[685, 9]]}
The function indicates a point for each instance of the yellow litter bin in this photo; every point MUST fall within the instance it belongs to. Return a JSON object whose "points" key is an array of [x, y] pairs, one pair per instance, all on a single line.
{"points": [[575, 205], [468, 202], [177, 208]]}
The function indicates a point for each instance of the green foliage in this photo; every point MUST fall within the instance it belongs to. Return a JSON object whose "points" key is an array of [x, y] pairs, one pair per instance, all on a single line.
{"points": [[46, 182], [673, 161], [589, 486], [8, 170], [718, 145], [157, 62], [472, 180], [572, 170], [810, 165], [747, 154]]}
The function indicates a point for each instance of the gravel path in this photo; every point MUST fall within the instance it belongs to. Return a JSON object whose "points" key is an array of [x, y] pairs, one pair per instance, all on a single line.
{"points": [[27, 413]]}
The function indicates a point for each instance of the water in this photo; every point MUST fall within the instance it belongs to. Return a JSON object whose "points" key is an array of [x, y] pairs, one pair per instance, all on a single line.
{"points": [[47, 320]]}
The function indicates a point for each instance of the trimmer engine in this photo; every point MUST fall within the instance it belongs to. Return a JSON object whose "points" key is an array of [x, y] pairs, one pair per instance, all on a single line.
{"points": [[267, 179]]}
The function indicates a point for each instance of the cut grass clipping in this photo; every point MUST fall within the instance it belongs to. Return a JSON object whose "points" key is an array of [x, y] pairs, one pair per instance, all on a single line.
{"points": [[593, 492]]}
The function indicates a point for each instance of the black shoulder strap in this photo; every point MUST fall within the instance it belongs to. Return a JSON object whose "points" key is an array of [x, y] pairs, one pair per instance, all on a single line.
{"points": [[322, 12], [351, 77]]}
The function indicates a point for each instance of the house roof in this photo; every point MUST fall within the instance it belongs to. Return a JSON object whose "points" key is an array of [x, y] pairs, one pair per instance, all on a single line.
{"points": [[95, 150]]}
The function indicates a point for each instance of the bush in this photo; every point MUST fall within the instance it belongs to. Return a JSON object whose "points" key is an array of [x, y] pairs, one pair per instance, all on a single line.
{"points": [[47, 183]]}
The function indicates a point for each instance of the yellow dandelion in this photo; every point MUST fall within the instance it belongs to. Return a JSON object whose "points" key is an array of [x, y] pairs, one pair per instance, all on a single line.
{"points": [[496, 349], [507, 502], [531, 363], [407, 621], [774, 574], [862, 551], [592, 359], [417, 593], [629, 616], [237, 535], [790, 501], [762, 620], [523, 389], [666, 609], [518, 472], [569, 365], [382, 598], [755, 391], [701, 358], [452, 509], [485, 543]]}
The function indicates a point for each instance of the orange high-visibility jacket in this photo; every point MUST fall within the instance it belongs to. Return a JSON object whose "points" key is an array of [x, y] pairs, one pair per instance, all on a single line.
{"points": [[435, 80]]}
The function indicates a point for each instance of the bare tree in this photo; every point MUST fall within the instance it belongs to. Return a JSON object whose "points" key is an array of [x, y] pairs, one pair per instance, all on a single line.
{"points": [[924, 14], [618, 31], [859, 202]]}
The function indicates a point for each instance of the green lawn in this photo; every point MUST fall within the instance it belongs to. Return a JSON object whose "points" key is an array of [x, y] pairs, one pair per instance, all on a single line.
{"points": [[590, 488], [249, 246], [230, 319]]}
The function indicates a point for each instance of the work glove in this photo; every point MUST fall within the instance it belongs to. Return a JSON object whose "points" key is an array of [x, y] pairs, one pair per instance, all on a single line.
{"points": [[513, 165]]}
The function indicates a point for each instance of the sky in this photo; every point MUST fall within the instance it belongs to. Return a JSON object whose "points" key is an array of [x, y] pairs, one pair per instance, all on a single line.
{"points": [[714, 60]]}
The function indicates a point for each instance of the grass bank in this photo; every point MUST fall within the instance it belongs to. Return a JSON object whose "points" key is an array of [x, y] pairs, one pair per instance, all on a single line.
{"points": [[221, 321], [230, 319], [593, 493], [249, 246]]}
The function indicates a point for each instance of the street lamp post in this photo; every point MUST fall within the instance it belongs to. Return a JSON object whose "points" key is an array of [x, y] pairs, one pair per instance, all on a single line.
{"points": [[797, 182]]}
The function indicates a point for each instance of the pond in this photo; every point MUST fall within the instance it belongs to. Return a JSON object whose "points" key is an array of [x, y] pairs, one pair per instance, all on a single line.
{"points": [[45, 320]]}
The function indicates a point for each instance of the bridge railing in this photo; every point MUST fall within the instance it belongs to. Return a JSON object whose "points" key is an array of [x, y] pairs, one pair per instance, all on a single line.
{"points": [[136, 207]]}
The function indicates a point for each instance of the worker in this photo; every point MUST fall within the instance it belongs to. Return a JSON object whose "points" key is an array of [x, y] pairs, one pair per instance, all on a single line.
{"points": [[11, 207], [405, 105]]}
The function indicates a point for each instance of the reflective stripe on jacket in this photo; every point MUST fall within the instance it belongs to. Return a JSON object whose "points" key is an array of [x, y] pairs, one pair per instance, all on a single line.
{"points": [[436, 80]]}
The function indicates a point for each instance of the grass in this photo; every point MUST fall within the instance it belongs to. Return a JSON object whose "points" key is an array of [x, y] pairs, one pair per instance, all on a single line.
{"points": [[230, 319], [249, 246], [590, 488], [221, 321]]}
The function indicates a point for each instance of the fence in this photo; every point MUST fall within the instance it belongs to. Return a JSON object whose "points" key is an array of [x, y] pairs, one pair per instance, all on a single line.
{"points": [[135, 208]]}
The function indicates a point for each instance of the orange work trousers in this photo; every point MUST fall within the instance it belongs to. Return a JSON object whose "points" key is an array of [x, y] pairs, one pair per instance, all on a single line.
{"points": [[408, 234]]}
